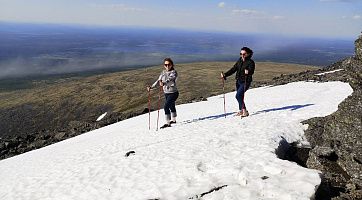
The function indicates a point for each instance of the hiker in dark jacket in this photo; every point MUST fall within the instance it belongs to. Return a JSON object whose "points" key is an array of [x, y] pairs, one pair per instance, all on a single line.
{"points": [[167, 80], [244, 69]]}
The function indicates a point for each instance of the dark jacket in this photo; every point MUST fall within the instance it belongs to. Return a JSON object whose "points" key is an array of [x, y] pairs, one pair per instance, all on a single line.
{"points": [[239, 67]]}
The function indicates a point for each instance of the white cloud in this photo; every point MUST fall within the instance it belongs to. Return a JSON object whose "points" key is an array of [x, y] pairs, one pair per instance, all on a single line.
{"points": [[256, 14], [337, 0], [117, 7], [221, 5], [278, 17], [357, 17], [247, 12], [354, 17]]}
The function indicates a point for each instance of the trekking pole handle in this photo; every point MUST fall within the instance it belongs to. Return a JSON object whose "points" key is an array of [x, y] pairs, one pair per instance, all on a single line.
{"points": [[222, 75]]}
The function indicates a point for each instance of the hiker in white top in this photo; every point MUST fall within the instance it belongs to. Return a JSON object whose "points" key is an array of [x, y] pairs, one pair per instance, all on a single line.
{"points": [[167, 80]]}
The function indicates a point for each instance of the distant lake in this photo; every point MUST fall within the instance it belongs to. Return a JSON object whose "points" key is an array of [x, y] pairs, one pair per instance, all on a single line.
{"points": [[34, 50]]}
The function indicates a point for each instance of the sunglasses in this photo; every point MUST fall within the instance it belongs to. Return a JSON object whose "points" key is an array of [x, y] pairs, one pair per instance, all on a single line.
{"points": [[166, 65], [243, 54]]}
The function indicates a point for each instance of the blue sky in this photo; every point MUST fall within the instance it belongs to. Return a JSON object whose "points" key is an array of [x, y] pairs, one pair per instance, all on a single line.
{"points": [[321, 18]]}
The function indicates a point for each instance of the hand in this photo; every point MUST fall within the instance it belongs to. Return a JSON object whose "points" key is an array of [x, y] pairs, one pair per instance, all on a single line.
{"points": [[161, 83], [148, 88], [222, 75], [246, 71]]}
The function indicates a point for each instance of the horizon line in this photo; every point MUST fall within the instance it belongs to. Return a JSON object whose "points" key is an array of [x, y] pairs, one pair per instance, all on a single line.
{"points": [[115, 27]]}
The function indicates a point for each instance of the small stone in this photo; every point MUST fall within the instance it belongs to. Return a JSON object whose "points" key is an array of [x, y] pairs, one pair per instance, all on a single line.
{"points": [[129, 153]]}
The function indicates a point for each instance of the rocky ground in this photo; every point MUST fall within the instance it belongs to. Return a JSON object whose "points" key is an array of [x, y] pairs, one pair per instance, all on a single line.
{"points": [[336, 140]]}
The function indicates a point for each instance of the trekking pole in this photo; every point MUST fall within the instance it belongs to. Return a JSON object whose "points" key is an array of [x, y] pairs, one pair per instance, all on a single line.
{"points": [[223, 91], [149, 109], [159, 106]]}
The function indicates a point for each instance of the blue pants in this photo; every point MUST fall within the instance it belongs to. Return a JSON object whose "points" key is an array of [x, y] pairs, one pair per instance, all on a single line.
{"points": [[240, 87], [170, 106]]}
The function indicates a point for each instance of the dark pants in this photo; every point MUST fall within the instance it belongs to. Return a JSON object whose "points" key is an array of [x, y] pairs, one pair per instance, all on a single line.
{"points": [[170, 106], [241, 88]]}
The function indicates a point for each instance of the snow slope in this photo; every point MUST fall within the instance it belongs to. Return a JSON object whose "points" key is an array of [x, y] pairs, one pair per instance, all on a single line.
{"points": [[203, 151]]}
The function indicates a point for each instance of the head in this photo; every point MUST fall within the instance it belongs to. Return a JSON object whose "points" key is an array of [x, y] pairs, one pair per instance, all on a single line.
{"points": [[246, 52], [168, 64]]}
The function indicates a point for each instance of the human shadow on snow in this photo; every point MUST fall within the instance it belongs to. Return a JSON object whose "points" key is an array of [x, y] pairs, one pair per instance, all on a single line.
{"points": [[208, 117], [292, 107], [213, 117]]}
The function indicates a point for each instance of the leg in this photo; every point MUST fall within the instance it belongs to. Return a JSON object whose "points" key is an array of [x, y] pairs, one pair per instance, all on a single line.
{"points": [[166, 107], [246, 87], [173, 107], [170, 108], [242, 87], [240, 94], [173, 98]]}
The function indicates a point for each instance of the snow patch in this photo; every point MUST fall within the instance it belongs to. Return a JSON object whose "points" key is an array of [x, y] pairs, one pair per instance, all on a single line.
{"points": [[101, 117], [329, 72]]}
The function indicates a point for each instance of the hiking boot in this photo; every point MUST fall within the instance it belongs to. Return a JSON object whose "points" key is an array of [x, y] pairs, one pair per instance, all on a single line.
{"points": [[244, 113], [239, 113], [172, 122], [165, 126]]}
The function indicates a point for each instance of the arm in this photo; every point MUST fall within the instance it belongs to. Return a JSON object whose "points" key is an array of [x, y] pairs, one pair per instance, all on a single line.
{"points": [[250, 68], [232, 70], [171, 78], [157, 81]]}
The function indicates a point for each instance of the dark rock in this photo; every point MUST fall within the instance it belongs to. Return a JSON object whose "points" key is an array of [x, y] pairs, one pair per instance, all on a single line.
{"points": [[12, 143], [358, 47], [2, 146], [146, 110], [197, 100], [294, 152], [129, 153], [39, 143], [60, 136], [30, 138], [325, 152]]}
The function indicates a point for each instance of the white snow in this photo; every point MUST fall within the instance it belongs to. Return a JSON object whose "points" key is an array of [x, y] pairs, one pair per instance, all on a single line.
{"points": [[201, 152], [101, 117], [329, 72]]}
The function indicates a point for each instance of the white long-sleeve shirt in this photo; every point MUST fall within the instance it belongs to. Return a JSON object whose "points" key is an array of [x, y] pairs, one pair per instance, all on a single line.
{"points": [[168, 78]]}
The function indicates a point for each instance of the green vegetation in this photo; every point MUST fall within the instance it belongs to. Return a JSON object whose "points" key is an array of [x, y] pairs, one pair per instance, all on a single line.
{"points": [[125, 91]]}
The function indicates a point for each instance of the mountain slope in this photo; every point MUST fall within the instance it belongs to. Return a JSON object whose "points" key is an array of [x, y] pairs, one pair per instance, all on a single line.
{"points": [[48, 113], [204, 154]]}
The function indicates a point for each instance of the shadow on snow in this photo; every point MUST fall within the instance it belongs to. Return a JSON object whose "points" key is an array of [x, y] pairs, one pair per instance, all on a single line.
{"points": [[293, 107], [213, 117]]}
